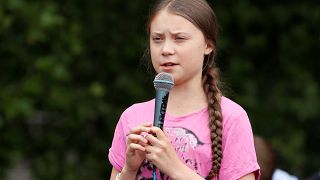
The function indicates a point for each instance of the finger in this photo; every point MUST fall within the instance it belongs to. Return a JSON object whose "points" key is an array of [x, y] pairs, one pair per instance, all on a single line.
{"points": [[151, 149], [145, 127], [158, 132], [153, 153], [134, 146], [137, 138], [166, 132], [154, 141]]}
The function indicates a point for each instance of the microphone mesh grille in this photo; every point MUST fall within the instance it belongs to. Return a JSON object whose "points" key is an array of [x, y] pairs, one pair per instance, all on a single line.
{"points": [[163, 81]]}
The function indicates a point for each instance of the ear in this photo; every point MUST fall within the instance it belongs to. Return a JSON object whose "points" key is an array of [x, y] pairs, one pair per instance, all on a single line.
{"points": [[209, 48]]}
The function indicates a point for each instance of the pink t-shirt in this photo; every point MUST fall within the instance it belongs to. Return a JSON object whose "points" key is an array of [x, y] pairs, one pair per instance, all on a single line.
{"points": [[190, 136]]}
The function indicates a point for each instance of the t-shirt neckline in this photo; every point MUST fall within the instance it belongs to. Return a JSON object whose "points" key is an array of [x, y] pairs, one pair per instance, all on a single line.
{"points": [[177, 118]]}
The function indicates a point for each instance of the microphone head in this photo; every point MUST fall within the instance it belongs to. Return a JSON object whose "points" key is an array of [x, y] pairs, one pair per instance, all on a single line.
{"points": [[163, 81]]}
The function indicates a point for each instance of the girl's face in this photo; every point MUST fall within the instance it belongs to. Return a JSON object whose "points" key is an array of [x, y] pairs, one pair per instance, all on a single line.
{"points": [[177, 47]]}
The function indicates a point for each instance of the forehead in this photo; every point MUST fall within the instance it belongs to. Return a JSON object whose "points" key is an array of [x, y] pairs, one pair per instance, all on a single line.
{"points": [[166, 21]]}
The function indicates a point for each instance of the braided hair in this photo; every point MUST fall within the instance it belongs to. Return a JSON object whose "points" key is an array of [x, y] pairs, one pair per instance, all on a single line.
{"points": [[199, 13], [211, 88]]}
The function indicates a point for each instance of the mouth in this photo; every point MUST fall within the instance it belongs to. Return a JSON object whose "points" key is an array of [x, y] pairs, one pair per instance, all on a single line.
{"points": [[168, 64]]}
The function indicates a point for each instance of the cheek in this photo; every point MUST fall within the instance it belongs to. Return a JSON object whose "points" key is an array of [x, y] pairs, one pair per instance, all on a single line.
{"points": [[195, 60], [195, 54], [153, 56], [154, 61], [153, 51], [199, 53], [197, 48]]}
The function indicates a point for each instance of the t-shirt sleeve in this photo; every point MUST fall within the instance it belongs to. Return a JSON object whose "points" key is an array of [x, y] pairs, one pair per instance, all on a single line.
{"points": [[239, 156], [117, 152]]}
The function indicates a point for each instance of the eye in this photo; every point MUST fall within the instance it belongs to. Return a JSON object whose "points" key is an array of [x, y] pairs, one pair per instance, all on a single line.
{"points": [[156, 38], [180, 38]]}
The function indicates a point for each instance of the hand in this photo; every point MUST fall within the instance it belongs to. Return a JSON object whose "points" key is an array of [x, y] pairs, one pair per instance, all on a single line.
{"points": [[161, 152], [135, 152]]}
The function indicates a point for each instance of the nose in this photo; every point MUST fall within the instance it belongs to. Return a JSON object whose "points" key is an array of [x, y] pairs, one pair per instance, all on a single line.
{"points": [[167, 48]]}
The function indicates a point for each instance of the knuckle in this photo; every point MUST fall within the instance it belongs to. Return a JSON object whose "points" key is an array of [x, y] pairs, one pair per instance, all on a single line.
{"points": [[153, 156], [130, 136], [162, 145], [159, 151]]}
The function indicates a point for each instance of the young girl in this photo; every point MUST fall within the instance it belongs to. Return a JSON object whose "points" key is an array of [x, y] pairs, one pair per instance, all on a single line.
{"points": [[206, 135]]}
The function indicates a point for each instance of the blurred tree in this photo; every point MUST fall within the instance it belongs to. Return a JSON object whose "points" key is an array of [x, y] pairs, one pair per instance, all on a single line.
{"points": [[69, 68], [268, 54]]}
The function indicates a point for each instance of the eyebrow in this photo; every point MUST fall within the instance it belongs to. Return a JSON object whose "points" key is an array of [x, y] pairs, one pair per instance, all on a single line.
{"points": [[174, 33]]}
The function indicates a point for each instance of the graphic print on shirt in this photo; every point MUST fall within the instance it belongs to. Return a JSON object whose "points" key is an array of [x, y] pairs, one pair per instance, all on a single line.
{"points": [[185, 143]]}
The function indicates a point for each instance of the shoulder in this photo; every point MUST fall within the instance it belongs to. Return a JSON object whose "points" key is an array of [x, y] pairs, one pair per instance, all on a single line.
{"points": [[140, 107], [233, 114], [231, 108], [237, 139], [138, 113]]}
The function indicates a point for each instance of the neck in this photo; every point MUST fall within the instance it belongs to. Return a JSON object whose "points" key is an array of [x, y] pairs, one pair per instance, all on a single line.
{"points": [[185, 99]]}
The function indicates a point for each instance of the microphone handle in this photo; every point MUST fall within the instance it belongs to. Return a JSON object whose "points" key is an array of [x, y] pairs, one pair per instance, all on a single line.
{"points": [[161, 102]]}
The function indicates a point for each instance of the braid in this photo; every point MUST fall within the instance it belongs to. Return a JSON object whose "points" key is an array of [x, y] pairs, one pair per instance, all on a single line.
{"points": [[210, 83]]}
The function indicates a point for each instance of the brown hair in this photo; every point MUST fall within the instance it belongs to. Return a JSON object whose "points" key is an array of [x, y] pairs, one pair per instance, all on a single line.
{"points": [[202, 16]]}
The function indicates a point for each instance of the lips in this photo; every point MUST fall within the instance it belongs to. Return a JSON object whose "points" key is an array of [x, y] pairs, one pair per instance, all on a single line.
{"points": [[168, 64]]}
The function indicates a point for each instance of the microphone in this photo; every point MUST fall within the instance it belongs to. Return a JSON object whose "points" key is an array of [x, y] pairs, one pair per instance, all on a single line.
{"points": [[163, 82]]}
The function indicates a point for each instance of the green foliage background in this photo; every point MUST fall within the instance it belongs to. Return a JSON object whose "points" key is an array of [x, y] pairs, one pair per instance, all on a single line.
{"points": [[69, 68]]}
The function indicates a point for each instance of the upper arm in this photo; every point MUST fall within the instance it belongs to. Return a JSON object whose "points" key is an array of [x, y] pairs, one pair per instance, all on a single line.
{"points": [[114, 172], [249, 176], [239, 159]]}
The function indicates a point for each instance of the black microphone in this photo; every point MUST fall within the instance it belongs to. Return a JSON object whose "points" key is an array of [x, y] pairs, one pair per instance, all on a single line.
{"points": [[163, 82]]}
